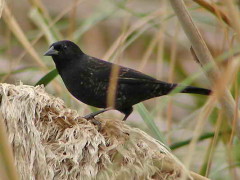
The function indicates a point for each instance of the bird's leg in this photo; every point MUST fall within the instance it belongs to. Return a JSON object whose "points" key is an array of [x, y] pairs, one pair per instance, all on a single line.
{"points": [[90, 117], [97, 123], [127, 112], [93, 114]]}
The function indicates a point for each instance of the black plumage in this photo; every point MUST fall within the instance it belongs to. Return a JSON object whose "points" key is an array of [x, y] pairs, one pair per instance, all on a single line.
{"points": [[87, 79]]}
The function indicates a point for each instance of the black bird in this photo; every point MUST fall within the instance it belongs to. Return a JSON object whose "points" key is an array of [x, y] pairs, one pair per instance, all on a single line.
{"points": [[87, 79]]}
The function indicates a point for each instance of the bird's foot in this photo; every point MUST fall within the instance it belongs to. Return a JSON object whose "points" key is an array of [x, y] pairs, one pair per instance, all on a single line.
{"points": [[97, 123], [89, 116], [93, 114]]}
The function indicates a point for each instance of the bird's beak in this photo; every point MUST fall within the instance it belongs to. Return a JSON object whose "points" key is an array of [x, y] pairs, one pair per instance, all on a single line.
{"points": [[51, 52]]}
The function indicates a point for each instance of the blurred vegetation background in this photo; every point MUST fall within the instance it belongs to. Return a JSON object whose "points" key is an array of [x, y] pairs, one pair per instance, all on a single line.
{"points": [[140, 34]]}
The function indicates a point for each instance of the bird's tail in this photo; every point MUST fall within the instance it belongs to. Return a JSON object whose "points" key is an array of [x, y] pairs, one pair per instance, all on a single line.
{"points": [[196, 90], [190, 89]]}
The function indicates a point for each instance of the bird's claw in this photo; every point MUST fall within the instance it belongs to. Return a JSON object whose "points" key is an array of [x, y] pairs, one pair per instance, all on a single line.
{"points": [[94, 121], [89, 117]]}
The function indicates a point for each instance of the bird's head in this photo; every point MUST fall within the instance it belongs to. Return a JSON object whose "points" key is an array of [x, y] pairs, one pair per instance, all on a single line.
{"points": [[63, 49]]}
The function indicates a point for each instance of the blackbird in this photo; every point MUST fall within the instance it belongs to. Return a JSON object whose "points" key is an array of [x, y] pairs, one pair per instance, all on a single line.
{"points": [[87, 78]]}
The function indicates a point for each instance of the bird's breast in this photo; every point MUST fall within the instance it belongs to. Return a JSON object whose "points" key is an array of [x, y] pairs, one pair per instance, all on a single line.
{"points": [[86, 88]]}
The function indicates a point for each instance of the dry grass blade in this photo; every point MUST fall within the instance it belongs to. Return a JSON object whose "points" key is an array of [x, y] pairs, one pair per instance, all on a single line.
{"points": [[2, 2], [39, 21], [206, 59], [201, 121], [234, 14], [112, 88], [72, 21], [171, 77], [134, 27], [7, 168], [214, 10], [197, 176], [147, 54], [50, 140], [115, 70], [18, 32], [207, 109], [214, 143], [39, 5]]}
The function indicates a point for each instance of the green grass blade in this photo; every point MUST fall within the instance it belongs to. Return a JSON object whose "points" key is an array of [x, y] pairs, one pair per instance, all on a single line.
{"points": [[45, 80], [186, 142], [150, 122]]}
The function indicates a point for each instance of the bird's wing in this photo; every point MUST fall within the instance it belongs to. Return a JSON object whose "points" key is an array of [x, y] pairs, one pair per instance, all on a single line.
{"points": [[128, 75], [102, 71]]}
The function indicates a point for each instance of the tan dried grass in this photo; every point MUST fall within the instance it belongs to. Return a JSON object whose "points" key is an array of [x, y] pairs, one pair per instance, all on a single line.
{"points": [[205, 58], [2, 2], [51, 141]]}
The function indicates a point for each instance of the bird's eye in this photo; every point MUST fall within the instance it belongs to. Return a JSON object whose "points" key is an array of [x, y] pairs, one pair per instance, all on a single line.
{"points": [[65, 47]]}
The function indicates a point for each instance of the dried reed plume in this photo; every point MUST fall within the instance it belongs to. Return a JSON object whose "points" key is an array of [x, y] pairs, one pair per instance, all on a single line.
{"points": [[51, 141]]}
